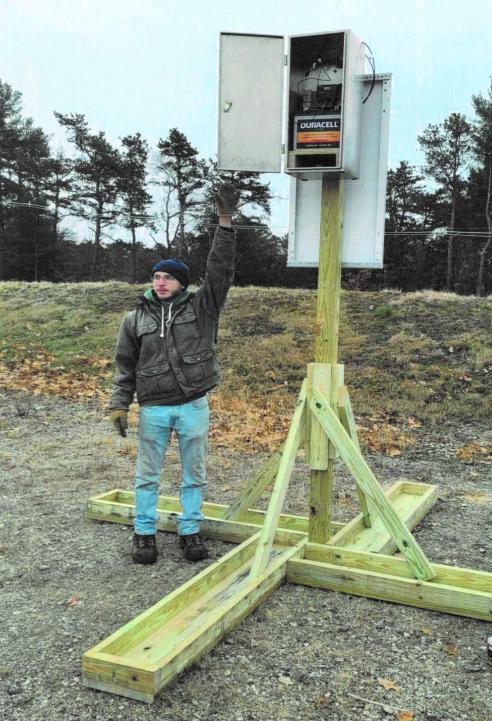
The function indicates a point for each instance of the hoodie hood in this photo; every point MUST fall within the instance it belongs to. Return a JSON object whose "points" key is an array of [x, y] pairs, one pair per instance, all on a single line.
{"points": [[165, 307], [152, 298]]}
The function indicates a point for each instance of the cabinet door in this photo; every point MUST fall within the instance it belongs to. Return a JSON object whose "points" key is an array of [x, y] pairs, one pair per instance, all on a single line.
{"points": [[251, 78]]}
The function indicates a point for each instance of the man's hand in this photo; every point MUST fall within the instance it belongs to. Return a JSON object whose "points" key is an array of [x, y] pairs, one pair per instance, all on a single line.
{"points": [[226, 198], [119, 419]]}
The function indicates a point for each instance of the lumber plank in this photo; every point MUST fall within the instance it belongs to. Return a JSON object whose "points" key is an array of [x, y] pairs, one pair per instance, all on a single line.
{"points": [[326, 338], [329, 377], [468, 578], [280, 487], [411, 501], [444, 597], [329, 272], [321, 477], [346, 415], [365, 478], [118, 506], [148, 652], [318, 376], [253, 490], [337, 380], [263, 479]]}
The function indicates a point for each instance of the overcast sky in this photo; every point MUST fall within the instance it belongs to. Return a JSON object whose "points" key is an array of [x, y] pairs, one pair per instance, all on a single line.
{"points": [[151, 65]]}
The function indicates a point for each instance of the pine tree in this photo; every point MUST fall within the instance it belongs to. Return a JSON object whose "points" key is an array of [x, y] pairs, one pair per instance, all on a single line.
{"points": [[183, 175], [97, 170], [10, 129], [446, 147], [59, 172], [132, 185]]}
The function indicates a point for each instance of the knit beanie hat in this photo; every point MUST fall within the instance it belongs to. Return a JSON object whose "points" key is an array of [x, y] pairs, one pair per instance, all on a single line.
{"points": [[174, 267]]}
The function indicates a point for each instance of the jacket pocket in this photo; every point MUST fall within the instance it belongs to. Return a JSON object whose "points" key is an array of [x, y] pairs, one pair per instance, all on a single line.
{"points": [[186, 331], [198, 366], [152, 381], [144, 327]]}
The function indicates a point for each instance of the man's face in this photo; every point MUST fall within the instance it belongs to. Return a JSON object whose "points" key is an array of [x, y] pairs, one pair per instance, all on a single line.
{"points": [[165, 286]]}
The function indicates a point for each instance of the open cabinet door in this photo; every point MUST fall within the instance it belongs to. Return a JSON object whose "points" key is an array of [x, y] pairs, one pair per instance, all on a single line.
{"points": [[251, 79]]}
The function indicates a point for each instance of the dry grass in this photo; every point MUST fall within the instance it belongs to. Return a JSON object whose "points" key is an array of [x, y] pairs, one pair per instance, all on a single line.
{"points": [[422, 355]]}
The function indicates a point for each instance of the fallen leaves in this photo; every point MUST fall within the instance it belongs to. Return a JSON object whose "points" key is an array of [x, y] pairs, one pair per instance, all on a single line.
{"points": [[249, 424], [477, 497], [451, 649], [474, 452], [129, 450], [380, 436], [389, 685], [405, 715], [36, 369]]}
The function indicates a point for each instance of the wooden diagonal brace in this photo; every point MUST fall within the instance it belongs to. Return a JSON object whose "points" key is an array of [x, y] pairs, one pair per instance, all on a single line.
{"points": [[365, 478], [279, 491], [253, 490], [263, 479], [348, 422]]}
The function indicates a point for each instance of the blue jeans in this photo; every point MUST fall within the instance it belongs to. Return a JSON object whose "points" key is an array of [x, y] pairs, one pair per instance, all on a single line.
{"points": [[190, 421]]}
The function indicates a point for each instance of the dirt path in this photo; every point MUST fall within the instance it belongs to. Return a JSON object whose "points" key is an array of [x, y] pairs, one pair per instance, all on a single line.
{"points": [[305, 654]]}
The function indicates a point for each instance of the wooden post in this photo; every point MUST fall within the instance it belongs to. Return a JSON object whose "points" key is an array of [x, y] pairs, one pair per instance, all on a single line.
{"points": [[326, 339]]}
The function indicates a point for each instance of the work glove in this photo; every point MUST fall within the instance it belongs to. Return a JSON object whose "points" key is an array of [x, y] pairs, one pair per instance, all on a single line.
{"points": [[119, 419], [226, 199]]}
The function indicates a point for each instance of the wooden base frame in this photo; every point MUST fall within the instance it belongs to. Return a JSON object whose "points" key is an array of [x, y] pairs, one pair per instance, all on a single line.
{"points": [[148, 652]]}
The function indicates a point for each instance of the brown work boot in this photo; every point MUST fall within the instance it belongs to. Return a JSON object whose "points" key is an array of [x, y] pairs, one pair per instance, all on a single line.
{"points": [[192, 547], [144, 549]]}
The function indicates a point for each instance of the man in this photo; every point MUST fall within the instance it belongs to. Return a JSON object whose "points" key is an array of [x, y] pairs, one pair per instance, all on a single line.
{"points": [[166, 353]]}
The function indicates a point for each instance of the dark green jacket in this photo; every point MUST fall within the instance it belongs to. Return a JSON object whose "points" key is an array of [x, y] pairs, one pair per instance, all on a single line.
{"points": [[165, 351]]}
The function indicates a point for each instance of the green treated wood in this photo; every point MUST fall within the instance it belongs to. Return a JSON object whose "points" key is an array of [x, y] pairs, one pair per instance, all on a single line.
{"points": [[263, 479], [337, 380], [118, 506], [468, 578], [346, 415], [280, 487], [326, 379], [124, 639], [365, 478], [329, 272], [147, 653], [318, 376], [461, 600], [410, 503], [253, 490], [410, 500], [326, 338]]}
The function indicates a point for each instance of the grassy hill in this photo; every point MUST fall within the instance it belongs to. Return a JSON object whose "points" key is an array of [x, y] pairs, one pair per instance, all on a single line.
{"points": [[410, 359]]}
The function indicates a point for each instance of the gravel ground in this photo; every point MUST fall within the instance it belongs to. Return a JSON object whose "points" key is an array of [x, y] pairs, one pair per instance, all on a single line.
{"points": [[304, 654]]}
